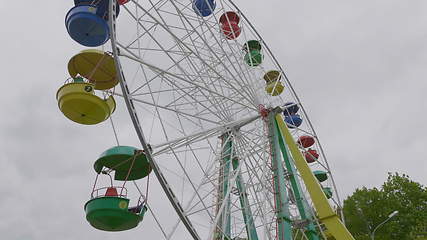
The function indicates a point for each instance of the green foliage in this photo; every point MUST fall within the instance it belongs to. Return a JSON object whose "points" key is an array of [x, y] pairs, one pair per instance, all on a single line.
{"points": [[367, 208]]}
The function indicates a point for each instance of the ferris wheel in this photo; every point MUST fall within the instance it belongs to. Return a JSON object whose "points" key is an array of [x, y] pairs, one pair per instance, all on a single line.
{"points": [[228, 146]]}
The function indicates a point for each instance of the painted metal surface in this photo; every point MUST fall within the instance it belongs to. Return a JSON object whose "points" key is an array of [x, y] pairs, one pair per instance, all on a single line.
{"points": [[302, 205], [224, 226], [254, 58], [293, 121], [324, 210], [127, 162], [204, 8], [284, 223], [96, 66], [111, 214], [86, 27], [244, 203], [272, 76], [78, 102], [290, 108], [306, 141], [274, 88], [230, 25]]}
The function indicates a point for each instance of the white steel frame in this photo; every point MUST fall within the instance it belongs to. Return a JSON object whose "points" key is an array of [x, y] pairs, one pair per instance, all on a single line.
{"points": [[211, 91]]}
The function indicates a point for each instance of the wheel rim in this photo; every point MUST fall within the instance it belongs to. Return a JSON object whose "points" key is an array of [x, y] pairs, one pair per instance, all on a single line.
{"points": [[193, 98]]}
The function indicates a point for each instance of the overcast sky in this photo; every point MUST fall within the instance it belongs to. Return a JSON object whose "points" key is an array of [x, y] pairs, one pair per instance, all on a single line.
{"points": [[359, 68]]}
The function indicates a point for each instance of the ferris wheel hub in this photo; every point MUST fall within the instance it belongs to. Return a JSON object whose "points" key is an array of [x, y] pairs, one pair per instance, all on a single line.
{"points": [[263, 111]]}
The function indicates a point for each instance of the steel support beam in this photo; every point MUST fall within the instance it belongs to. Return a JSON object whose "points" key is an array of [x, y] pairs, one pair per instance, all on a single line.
{"points": [[244, 203], [301, 202], [284, 223], [324, 210]]}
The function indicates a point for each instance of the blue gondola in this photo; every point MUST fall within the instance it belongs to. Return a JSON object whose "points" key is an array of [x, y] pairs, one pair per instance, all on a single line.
{"points": [[102, 6], [293, 121], [86, 27], [290, 108], [204, 8], [87, 22]]}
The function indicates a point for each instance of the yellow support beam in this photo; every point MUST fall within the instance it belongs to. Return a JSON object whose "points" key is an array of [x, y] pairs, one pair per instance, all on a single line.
{"points": [[325, 212]]}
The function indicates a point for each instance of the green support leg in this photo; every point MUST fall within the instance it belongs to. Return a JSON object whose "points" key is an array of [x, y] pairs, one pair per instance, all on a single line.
{"points": [[284, 223], [224, 229], [325, 213], [244, 203], [301, 202]]}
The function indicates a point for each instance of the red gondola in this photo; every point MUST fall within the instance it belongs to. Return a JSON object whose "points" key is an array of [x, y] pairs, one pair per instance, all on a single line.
{"points": [[306, 141], [230, 25], [311, 155]]}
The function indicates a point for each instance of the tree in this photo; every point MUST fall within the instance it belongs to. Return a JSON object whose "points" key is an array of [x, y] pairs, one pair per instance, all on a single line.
{"points": [[366, 208]]}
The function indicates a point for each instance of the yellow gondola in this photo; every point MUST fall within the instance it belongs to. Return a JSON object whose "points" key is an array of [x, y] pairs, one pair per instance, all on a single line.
{"points": [[272, 76], [78, 102], [96, 66], [274, 87]]}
